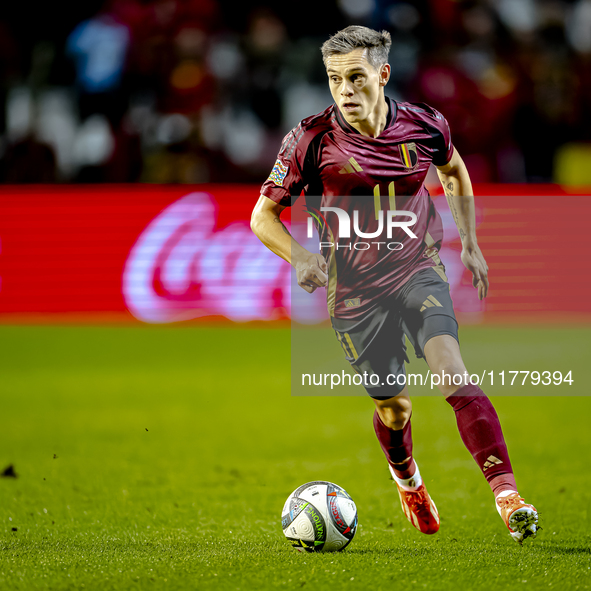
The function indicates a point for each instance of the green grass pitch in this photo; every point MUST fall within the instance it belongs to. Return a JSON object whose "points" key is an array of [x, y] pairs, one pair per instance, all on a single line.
{"points": [[160, 458]]}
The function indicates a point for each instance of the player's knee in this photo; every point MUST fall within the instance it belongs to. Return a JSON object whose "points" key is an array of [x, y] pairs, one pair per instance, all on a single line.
{"points": [[450, 377], [395, 412]]}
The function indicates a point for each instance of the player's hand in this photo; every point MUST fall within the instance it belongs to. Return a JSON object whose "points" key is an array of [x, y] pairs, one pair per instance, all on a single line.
{"points": [[475, 263], [312, 272]]}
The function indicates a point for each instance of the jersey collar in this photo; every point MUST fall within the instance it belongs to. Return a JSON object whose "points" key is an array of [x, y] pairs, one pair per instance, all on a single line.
{"points": [[390, 118]]}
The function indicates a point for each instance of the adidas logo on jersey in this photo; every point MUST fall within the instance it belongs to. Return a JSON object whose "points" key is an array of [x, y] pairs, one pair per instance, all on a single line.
{"points": [[351, 166], [431, 302], [352, 303]]}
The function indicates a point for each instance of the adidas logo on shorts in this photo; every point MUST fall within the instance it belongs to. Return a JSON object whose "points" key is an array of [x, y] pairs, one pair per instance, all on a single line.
{"points": [[431, 302]]}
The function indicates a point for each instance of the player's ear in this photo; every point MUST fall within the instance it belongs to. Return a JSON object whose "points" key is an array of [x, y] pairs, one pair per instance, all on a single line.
{"points": [[385, 70]]}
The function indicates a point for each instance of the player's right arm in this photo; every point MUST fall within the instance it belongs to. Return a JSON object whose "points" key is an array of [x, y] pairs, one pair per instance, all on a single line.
{"points": [[311, 269]]}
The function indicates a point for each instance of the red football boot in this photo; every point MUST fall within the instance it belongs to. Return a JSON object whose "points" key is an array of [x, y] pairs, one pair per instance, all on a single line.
{"points": [[519, 517], [417, 505], [419, 509]]}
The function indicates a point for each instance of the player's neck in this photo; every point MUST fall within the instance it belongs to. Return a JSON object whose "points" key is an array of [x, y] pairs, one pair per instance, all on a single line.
{"points": [[375, 124]]}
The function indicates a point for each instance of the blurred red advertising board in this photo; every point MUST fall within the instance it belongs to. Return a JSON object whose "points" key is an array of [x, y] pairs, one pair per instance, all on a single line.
{"points": [[162, 254]]}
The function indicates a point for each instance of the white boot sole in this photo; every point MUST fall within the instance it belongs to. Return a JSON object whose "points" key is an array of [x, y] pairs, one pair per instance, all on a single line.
{"points": [[524, 523]]}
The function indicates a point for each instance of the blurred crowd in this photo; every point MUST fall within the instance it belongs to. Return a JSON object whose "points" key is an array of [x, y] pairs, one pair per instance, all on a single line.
{"points": [[190, 91]]}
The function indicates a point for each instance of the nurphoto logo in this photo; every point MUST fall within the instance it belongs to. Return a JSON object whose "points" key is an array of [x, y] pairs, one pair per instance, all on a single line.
{"points": [[345, 228]]}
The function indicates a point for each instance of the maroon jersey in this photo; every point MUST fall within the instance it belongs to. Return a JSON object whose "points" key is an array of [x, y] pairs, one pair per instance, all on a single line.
{"points": [[336, 166]]}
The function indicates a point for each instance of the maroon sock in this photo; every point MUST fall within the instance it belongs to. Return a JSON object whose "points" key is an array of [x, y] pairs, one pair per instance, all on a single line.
{"points": [[397, 445], [481, 433]]}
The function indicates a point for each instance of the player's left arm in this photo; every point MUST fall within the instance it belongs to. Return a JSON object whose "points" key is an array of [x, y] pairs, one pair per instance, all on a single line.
{"points": [[458, 190]]}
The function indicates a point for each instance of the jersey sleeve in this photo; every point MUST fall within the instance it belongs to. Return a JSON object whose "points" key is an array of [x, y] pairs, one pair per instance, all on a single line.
{"points": [[442, 147], [288, 177]]}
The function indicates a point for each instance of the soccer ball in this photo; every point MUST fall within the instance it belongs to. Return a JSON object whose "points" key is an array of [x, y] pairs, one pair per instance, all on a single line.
{"points": [[319, 517]]}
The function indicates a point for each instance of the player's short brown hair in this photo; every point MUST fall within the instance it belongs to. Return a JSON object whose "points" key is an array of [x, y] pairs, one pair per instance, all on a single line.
{"points": [[353, 37]]}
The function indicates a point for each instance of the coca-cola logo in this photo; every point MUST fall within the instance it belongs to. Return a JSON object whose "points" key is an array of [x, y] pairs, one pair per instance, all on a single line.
{"points": [[183, 267]]}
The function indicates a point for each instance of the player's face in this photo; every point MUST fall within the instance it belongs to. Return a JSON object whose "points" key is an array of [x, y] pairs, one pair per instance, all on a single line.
{"points": [[356, 86]]}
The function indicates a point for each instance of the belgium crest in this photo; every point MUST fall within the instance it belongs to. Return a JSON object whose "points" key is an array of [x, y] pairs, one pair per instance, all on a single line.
{"points": [[408, 153]]}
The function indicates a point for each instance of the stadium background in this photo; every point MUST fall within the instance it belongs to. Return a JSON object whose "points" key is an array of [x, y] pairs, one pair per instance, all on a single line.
{"points": [[138, 312]]}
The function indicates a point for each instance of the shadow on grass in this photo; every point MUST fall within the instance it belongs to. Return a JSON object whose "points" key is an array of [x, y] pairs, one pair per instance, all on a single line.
{"points": [[556, 548], [546, 548]]}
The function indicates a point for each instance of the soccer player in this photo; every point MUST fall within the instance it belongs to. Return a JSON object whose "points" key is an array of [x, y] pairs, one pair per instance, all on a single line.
{"points": [[366, 144]]}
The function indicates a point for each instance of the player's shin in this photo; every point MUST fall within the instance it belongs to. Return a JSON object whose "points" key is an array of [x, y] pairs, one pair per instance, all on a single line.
{"points": [[415, 501], [397, 447], [482, 435]]}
